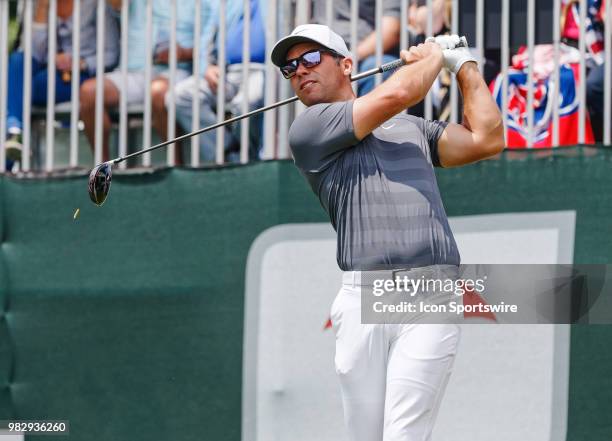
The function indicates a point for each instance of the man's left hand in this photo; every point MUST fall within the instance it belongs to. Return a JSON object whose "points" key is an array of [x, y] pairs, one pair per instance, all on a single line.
{"points": [[454, 55]]}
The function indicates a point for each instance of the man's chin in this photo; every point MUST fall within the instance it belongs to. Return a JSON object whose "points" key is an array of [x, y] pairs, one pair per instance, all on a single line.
{"points": [[310, 100]]}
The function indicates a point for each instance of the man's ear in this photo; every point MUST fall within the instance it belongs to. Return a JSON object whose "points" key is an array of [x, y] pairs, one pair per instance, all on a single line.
{"points": [[347, 66]]}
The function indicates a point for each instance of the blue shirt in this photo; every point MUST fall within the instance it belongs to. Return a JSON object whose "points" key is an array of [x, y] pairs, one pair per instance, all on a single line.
{"points": [[234, 22], [233, 45], [162, 14]]}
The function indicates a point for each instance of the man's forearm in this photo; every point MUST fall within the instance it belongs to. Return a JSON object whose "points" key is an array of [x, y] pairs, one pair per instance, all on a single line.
{"points": [[406, 87], [418, 78], [480, 112]]}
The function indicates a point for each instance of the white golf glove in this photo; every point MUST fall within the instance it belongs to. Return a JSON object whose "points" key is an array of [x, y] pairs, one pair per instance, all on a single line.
{"points": [[446, 41], [454, 56]]}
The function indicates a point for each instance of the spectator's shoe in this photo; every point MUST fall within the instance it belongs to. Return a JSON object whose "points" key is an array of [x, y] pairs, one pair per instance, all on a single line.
{"points": [[13, 148]]}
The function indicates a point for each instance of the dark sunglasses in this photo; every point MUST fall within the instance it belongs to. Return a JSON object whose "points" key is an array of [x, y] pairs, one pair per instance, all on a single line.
{"points": [[308, 59]]}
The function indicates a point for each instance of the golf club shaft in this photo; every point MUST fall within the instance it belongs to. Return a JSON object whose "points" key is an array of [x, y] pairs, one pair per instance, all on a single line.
{"points": [[384, 68]]}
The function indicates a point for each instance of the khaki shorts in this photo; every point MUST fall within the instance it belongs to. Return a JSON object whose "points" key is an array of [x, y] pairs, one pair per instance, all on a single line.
{"points": [[136, 81]]}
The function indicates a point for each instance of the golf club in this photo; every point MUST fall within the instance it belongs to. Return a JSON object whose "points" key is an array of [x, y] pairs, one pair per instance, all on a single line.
{"points": [[100, 176]]}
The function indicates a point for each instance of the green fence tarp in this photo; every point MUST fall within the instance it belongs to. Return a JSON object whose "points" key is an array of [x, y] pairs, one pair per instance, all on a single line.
{"points": [[128, 321]]}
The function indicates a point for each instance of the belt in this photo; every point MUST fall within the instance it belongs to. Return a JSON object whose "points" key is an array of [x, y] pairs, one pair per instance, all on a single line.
{"points": [[367, 278]]}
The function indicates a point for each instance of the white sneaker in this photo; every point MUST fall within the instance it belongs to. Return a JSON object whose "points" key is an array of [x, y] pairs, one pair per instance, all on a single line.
{"points": [[13, 148]]}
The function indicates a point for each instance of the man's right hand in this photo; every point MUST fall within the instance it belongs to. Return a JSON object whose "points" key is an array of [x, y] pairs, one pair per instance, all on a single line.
{"points": [[423, 50], [212, 77]]}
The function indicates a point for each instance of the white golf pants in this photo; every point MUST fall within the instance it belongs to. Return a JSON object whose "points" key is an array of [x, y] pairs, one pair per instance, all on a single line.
{"points": [[392, 376]]}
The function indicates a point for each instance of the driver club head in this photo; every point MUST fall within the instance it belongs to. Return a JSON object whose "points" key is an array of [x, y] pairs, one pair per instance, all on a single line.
{"points": [[100, 182]]}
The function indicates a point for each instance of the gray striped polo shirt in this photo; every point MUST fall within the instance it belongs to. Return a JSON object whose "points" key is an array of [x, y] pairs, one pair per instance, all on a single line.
{"points": [[380, 193]]}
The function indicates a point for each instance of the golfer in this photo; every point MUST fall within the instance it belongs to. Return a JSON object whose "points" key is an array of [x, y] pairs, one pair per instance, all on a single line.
{"points": [[371, 165]]}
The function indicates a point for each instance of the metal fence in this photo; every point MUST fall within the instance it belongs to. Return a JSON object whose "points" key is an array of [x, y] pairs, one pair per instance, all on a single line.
{"points": [[280, 17]]}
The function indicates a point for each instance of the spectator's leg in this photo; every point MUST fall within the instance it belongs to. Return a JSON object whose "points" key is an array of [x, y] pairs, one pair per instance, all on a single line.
{"points": [[63, 89], [184, 101], [88, 111], [39, 88], [256, 100], [594, 86], [15, 90], [234, 94], [159, 87], [367, 84], [257, 85]]}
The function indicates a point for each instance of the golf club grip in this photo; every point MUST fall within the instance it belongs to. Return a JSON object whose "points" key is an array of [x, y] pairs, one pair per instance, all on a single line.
{"points": [[392, 65]]}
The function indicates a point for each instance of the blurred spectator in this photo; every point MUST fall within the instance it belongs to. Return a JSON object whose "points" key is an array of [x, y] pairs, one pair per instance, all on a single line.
{"points": [[594, 27], [417, 30], [366, 33], [569, 99], [135, 92], [63, 61], [234, 96], [595, 44], [595, 100], [417, 18], [517, 134]]}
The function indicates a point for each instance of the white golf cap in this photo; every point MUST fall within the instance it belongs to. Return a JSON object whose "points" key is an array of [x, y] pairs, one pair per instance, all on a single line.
{"points": [[309, 32]]}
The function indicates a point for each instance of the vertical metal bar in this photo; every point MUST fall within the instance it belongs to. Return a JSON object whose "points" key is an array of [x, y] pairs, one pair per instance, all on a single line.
{"points": [[429, 28], [283, 123], [530, 48], [123, 116], [75, 83], [170, 153], [246, 58], [4, 12], [403, 24], [51, 51], [27, 86], [148, 73], [329, 13], [505, 59], [454, 91], [556, 73], [480, 18], [271, 76], [220, 156], [428, 100], [608, 73], [99, 131], [354, 42], [195, 98], [379, 41], [301, 17], [582, 74], [301, 12]]}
